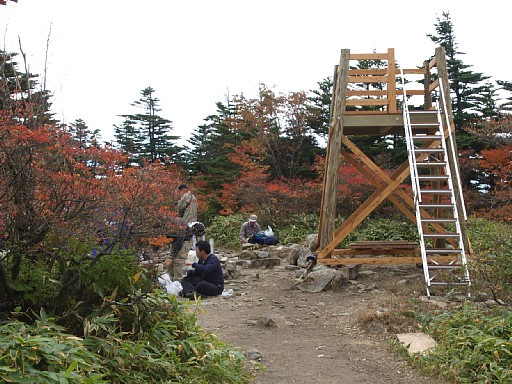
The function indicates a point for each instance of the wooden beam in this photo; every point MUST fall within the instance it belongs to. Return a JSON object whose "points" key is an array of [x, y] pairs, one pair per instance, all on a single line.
{"points": [[433, 86], [406, 211], [367, 79], [332, 167], [365, 209], [426, 83], [376, 251], [414, 71], [382, 71], [366, 93], [383, 260], [369, 56], [432, 63], [367, 102], [401, 193]]}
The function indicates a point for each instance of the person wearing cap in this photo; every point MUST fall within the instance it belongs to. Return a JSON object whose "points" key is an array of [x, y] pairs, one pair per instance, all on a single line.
{"points": [[187, 205], [249, 228]]}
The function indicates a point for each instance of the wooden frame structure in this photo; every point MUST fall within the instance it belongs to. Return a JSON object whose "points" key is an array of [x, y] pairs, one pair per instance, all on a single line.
{"points": [[386, 121]]}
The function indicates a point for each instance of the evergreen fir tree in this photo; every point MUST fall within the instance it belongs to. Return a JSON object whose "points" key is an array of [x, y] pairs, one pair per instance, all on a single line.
{"points": [[151, 133], [464, 83]]}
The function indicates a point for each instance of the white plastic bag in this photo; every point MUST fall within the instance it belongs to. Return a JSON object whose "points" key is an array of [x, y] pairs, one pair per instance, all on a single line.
{"points": [[172, 287], [269, 231]]}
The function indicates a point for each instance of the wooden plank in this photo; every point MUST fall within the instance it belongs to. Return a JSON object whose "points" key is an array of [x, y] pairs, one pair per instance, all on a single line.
{"points": [[376, 252], [383, 71], [413, 71], [367, 79], [383, 244], [367, 93], [368, 56], [411, 92], [433, 86], [352, 102], [382, 260], [373, 71], [391, 81], [432, 63], [366, 113], [332, 168]]}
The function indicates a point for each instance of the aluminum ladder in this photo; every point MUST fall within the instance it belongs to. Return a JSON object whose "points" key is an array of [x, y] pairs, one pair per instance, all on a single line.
{"points": [[437, 215]]}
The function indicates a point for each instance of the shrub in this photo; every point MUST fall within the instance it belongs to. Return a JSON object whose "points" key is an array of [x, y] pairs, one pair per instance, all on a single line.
{"points": [[225, 229], [140, 339], [474, 346], [491, 270]]}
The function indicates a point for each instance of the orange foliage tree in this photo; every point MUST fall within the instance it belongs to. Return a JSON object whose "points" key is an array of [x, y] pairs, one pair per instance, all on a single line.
{"points": [[57, 196], [494, 166]]}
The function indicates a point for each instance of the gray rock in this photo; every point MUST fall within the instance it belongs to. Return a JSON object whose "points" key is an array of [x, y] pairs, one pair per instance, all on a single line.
{"points": [[253, 355], [248, 255], [319, 280], [302, 257], [261, 254], [265, 263], [293, 256], [311, 241]]}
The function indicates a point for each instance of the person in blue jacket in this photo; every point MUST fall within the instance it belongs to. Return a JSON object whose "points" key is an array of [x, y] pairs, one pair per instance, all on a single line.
{"points": [[206, 278]]}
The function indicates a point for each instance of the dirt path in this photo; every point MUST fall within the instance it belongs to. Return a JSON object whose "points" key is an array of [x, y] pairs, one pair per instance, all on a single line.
{"points": [[312, 337]]}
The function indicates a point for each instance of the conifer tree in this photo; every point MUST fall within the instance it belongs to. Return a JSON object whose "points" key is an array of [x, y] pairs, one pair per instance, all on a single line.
{"points": [[464, 83], [151, 133]]}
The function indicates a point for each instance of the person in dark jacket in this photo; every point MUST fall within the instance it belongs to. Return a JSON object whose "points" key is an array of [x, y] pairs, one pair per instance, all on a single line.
{"points": [[206, 278]]}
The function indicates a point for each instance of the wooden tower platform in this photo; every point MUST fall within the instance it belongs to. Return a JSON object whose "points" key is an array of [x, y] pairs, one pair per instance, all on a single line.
{"points": [[349, 93]]}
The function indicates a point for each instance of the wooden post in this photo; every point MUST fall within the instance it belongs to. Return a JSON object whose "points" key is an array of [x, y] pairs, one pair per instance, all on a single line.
{"points": [[426, 84], [391, 81], [453, 158], [328, 212]]}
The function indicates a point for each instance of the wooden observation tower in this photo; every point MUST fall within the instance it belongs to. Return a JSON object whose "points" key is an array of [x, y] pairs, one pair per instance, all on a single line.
{"points": [[437, 205]]}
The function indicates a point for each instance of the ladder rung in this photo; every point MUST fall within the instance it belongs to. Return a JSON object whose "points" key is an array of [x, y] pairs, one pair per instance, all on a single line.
{"points": [[440, 235], [426, 112], [426, 137], [423, 125], [445, 266], [435, 206], [433, 177], [436, 191], [428, 150], [431, 164], [433, 220], [434, 251], [465, 282]]}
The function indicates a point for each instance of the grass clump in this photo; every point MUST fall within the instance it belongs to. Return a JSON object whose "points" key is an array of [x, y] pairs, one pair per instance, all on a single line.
{"points": [[474, 345]]}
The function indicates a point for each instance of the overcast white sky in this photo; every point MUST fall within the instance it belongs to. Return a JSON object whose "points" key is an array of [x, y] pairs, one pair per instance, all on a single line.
{"points": [[102, 53]]}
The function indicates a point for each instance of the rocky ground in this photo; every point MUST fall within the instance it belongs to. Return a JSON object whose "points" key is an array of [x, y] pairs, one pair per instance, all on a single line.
{"points": [[340, 334]]}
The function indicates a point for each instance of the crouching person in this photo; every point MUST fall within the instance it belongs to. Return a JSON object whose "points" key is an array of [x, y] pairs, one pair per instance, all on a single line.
{"points": [[206, 278]]}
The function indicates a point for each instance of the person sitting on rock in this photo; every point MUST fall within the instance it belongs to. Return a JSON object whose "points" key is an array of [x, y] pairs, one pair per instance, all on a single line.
{"points": [[207, 277], [249, 228]]}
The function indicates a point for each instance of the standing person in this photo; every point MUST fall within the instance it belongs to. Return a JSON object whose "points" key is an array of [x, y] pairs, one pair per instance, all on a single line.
{"points": [[206, 278], [187, 206], [249, 228]]}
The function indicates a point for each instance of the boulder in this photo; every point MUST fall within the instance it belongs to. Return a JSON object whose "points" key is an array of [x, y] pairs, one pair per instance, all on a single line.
{"points": [[261, 254], [311, 241], [302, 257], [248, 255], [319, 280]]}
